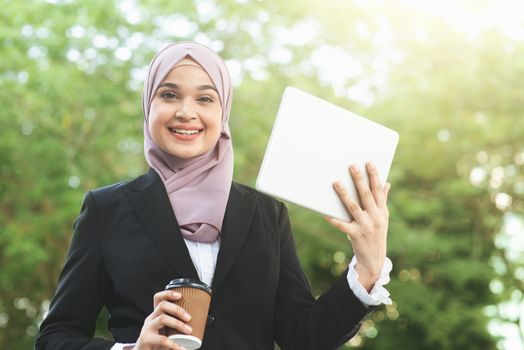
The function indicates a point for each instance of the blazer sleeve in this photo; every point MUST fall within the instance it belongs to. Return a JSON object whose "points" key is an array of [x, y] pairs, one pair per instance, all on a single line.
{"points": [[303, 322], [80, 295]]}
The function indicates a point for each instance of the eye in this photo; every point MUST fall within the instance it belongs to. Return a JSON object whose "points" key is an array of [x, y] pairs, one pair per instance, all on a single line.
{"points": [[168, 95], [205, 99]]}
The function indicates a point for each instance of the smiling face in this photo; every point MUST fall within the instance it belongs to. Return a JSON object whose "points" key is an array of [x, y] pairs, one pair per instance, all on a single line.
{"points": [[185, 117]]}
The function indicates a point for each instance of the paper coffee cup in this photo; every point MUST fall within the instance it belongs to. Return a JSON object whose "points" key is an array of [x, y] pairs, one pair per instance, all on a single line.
{"points": [[196, 297]]}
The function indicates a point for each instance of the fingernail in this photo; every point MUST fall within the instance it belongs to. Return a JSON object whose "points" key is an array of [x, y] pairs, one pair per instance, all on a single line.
{"points": [[371, 165], [338, 185], [188, 328], [353, 167], [177, 294], [187, 316]]}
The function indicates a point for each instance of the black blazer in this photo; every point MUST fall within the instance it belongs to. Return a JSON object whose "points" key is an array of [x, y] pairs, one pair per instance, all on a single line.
{"points": [[127, 246]]}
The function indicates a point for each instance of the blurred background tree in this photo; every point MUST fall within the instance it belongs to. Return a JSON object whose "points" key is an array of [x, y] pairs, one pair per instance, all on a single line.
{"points": [[445, 74]]}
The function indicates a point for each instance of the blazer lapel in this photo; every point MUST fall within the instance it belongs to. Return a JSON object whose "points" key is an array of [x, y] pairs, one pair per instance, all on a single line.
{"points": [[151, 204], [237, 221]]}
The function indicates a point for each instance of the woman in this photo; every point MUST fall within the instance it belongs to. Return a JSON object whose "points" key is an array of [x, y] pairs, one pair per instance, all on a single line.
{"points": [[187, 218]]}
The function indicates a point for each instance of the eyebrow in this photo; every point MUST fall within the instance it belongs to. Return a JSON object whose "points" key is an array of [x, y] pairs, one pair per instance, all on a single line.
{"points": [[199, 88]]}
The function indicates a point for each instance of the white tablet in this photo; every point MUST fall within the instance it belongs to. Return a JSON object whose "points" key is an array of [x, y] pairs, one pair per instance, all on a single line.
{"points": [[312, 144]]}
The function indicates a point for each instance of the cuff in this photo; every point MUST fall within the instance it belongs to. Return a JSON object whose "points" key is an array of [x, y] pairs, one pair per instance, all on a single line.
{"points": [[379, 294], [121, 346]]}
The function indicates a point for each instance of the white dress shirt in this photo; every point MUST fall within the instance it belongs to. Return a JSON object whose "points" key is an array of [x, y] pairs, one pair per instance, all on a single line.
{"points": [[204, 257]]}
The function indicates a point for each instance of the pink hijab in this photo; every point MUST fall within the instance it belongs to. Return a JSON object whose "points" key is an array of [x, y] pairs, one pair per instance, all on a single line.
{"points": [[198, 188]]}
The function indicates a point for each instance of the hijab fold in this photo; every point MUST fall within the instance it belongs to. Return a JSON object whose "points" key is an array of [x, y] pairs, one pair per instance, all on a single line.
{"points": [[198, 188]]}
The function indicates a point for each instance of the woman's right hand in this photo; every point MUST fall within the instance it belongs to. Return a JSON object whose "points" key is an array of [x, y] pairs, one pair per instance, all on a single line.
{"points": [[165, 314]]}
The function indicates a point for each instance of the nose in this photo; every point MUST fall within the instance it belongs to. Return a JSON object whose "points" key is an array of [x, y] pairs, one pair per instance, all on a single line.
{"points": [[185, 112]]}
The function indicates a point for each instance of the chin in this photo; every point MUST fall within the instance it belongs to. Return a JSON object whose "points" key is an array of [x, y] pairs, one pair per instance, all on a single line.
{"points": [[185, 154]]}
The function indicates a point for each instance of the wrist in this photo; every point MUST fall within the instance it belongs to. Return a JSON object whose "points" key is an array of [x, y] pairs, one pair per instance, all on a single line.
{"points": [[366, 278]]}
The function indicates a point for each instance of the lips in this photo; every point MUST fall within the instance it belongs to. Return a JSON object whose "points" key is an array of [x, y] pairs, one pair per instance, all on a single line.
{"points": [[185, 131]]}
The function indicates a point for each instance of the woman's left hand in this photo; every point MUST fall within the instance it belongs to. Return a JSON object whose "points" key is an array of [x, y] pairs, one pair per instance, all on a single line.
{"points": [[369, 228]]}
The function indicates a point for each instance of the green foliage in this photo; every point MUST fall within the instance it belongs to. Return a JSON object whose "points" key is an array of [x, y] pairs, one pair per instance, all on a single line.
{"points": [[70, 120]]}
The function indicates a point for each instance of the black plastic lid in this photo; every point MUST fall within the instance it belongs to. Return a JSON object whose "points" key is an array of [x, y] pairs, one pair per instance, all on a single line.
{"points": [[188, 282]]}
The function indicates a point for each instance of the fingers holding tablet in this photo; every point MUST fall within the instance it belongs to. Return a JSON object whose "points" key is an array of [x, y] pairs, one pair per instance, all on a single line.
{"points": [[373, 197]]}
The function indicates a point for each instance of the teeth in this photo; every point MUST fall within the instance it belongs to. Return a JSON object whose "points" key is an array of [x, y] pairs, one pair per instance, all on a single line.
{"points": [[185, 132]]}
